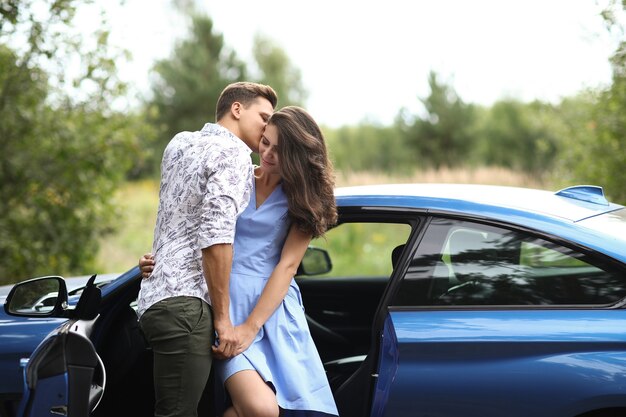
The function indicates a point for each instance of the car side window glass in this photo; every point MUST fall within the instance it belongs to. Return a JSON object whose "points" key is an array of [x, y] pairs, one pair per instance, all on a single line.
{"points": [[363, 249], [466, 263]]}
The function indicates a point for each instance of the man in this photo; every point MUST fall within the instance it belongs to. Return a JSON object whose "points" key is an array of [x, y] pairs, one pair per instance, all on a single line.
{"points": [[206, 180]]}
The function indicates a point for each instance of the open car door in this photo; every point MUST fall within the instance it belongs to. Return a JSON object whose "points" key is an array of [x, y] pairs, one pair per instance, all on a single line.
{"points": [[64, 376]]}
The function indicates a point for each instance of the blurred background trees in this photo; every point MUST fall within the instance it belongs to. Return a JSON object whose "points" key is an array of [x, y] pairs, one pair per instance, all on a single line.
{"points": [[65, 148], [443, 136], [597, 151], [69, 138], [187, 85]]}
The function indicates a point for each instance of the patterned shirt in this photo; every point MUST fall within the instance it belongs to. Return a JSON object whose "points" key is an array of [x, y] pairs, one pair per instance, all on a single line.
{"points": [[206, 181]]}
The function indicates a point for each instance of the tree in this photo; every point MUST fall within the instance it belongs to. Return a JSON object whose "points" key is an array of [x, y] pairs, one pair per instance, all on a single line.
{"points": [[519, 136], [600, 155], [277, 71], [190, 81], [65, 149], [369, 147], [443, 137]]}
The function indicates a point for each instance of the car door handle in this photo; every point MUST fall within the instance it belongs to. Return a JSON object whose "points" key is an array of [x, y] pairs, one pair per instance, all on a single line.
{"points": [[335, 313], [59, 410]]}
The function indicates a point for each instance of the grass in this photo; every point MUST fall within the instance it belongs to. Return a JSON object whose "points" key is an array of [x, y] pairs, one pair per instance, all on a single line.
{"points": [[139, 200], [132, 237], [484, 175]]}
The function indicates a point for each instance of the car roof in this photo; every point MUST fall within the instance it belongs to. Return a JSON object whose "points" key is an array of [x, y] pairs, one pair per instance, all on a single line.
{"points": [[560, 213], [474, 199]]}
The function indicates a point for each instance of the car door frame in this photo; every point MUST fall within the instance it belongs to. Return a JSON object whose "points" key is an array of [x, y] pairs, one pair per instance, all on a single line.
{"points": [[387, 355], [363, 382]]}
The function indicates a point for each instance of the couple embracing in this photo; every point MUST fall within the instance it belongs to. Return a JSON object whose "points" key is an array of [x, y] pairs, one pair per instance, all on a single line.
{"points": [[227, 243]]}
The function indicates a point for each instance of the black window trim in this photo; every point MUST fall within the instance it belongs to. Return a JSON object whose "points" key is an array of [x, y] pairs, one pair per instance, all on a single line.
{"points": [[398, 273]]}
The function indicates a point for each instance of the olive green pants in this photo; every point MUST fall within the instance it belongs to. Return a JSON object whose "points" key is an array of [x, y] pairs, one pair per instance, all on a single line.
{"points": [[180, 333]]}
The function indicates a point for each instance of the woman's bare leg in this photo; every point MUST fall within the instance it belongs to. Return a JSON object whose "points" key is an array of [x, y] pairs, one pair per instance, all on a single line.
{"points": [[251, 396]]}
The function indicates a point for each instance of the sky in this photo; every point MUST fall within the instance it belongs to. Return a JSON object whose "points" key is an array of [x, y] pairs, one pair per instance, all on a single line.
{"points": [[364, 60]]}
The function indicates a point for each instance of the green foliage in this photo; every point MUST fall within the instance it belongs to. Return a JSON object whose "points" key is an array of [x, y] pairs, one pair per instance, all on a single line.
{"points": [[519, 136], [368, 148], [576, 134], [443, 137], [599, 156], [185, 93], [362, 249], [63, 153], [137, 202], [277, 71], [597, 153], [189, 83]]}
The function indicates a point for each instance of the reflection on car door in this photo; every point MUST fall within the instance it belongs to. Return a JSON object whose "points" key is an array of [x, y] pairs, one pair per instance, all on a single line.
{"points": [[60, 375]]}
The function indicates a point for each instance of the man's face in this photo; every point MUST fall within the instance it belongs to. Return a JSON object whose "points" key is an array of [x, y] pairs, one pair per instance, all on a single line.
{"points": [[253, 121]]}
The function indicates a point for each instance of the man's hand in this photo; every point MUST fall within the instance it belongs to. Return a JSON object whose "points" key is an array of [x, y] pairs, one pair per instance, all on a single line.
{"points": [[226, 340], [146, 264], [244, 336]]}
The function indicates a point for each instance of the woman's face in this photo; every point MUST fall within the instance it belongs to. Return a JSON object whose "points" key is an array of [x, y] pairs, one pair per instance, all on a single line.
{"points": [[268, 150]]}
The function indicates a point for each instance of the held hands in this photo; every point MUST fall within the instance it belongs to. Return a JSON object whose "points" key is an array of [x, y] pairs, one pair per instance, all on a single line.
{"points": [[146, 265], [231, 341], [244, 335], [226, 339]]}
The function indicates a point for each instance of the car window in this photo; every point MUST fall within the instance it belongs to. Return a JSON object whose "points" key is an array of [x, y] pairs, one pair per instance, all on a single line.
{"points": [[465, 263], [362, 249]]}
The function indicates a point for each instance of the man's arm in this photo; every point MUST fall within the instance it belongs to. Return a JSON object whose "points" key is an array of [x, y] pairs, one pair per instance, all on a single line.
{"points": [[227, 192], [216, 265]]}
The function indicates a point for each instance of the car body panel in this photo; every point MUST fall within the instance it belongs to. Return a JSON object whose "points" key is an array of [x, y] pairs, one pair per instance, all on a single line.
{"points": [[533, 209], [52, 388], [464, 354], [19, 338], [388, 362]]}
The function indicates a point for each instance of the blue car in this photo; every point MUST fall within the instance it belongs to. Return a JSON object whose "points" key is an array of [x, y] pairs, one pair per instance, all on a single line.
{"points": [[425, 300]]}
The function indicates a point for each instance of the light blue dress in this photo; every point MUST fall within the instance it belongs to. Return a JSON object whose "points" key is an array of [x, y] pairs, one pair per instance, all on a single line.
{"points": [[283, 352]]}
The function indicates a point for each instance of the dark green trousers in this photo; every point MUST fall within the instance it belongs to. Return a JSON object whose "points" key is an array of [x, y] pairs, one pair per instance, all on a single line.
{"points": [[180, 333]]}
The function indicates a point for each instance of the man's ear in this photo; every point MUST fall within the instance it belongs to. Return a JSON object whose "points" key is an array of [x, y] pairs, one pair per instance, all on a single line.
{"points": [[235, 109]]}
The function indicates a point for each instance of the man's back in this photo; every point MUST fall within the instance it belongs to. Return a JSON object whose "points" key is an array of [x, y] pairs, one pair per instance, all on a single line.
{"points": [[205, 183]]}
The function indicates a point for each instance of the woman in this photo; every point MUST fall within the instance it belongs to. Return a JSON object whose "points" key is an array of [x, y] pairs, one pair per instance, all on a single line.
{"points": [[293, 201]]}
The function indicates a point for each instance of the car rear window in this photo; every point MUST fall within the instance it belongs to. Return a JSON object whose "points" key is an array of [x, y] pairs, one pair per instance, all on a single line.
{"points": [[466, 263]]}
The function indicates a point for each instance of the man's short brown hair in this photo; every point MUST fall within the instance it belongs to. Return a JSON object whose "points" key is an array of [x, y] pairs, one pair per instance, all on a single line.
{"points": [[245, 93]]}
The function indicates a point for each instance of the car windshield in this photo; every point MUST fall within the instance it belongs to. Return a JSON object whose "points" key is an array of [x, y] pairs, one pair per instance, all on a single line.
{"points": [[613, 223]]}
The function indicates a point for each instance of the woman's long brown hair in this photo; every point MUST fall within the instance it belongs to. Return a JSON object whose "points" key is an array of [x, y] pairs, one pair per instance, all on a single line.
{"points": [[307, 173]]}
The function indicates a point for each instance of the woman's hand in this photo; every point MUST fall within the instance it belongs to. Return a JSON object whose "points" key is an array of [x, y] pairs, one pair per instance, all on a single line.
{"points": [[146, 265], [245, 335]]}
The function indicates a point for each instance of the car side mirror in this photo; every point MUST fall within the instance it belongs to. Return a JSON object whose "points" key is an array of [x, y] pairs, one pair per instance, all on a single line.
{"points": [[316, 261], [38, 297]]}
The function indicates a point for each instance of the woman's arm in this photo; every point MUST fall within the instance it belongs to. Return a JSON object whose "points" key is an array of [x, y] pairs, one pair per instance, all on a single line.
{"points": [[276, 286], [146, 264]]}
